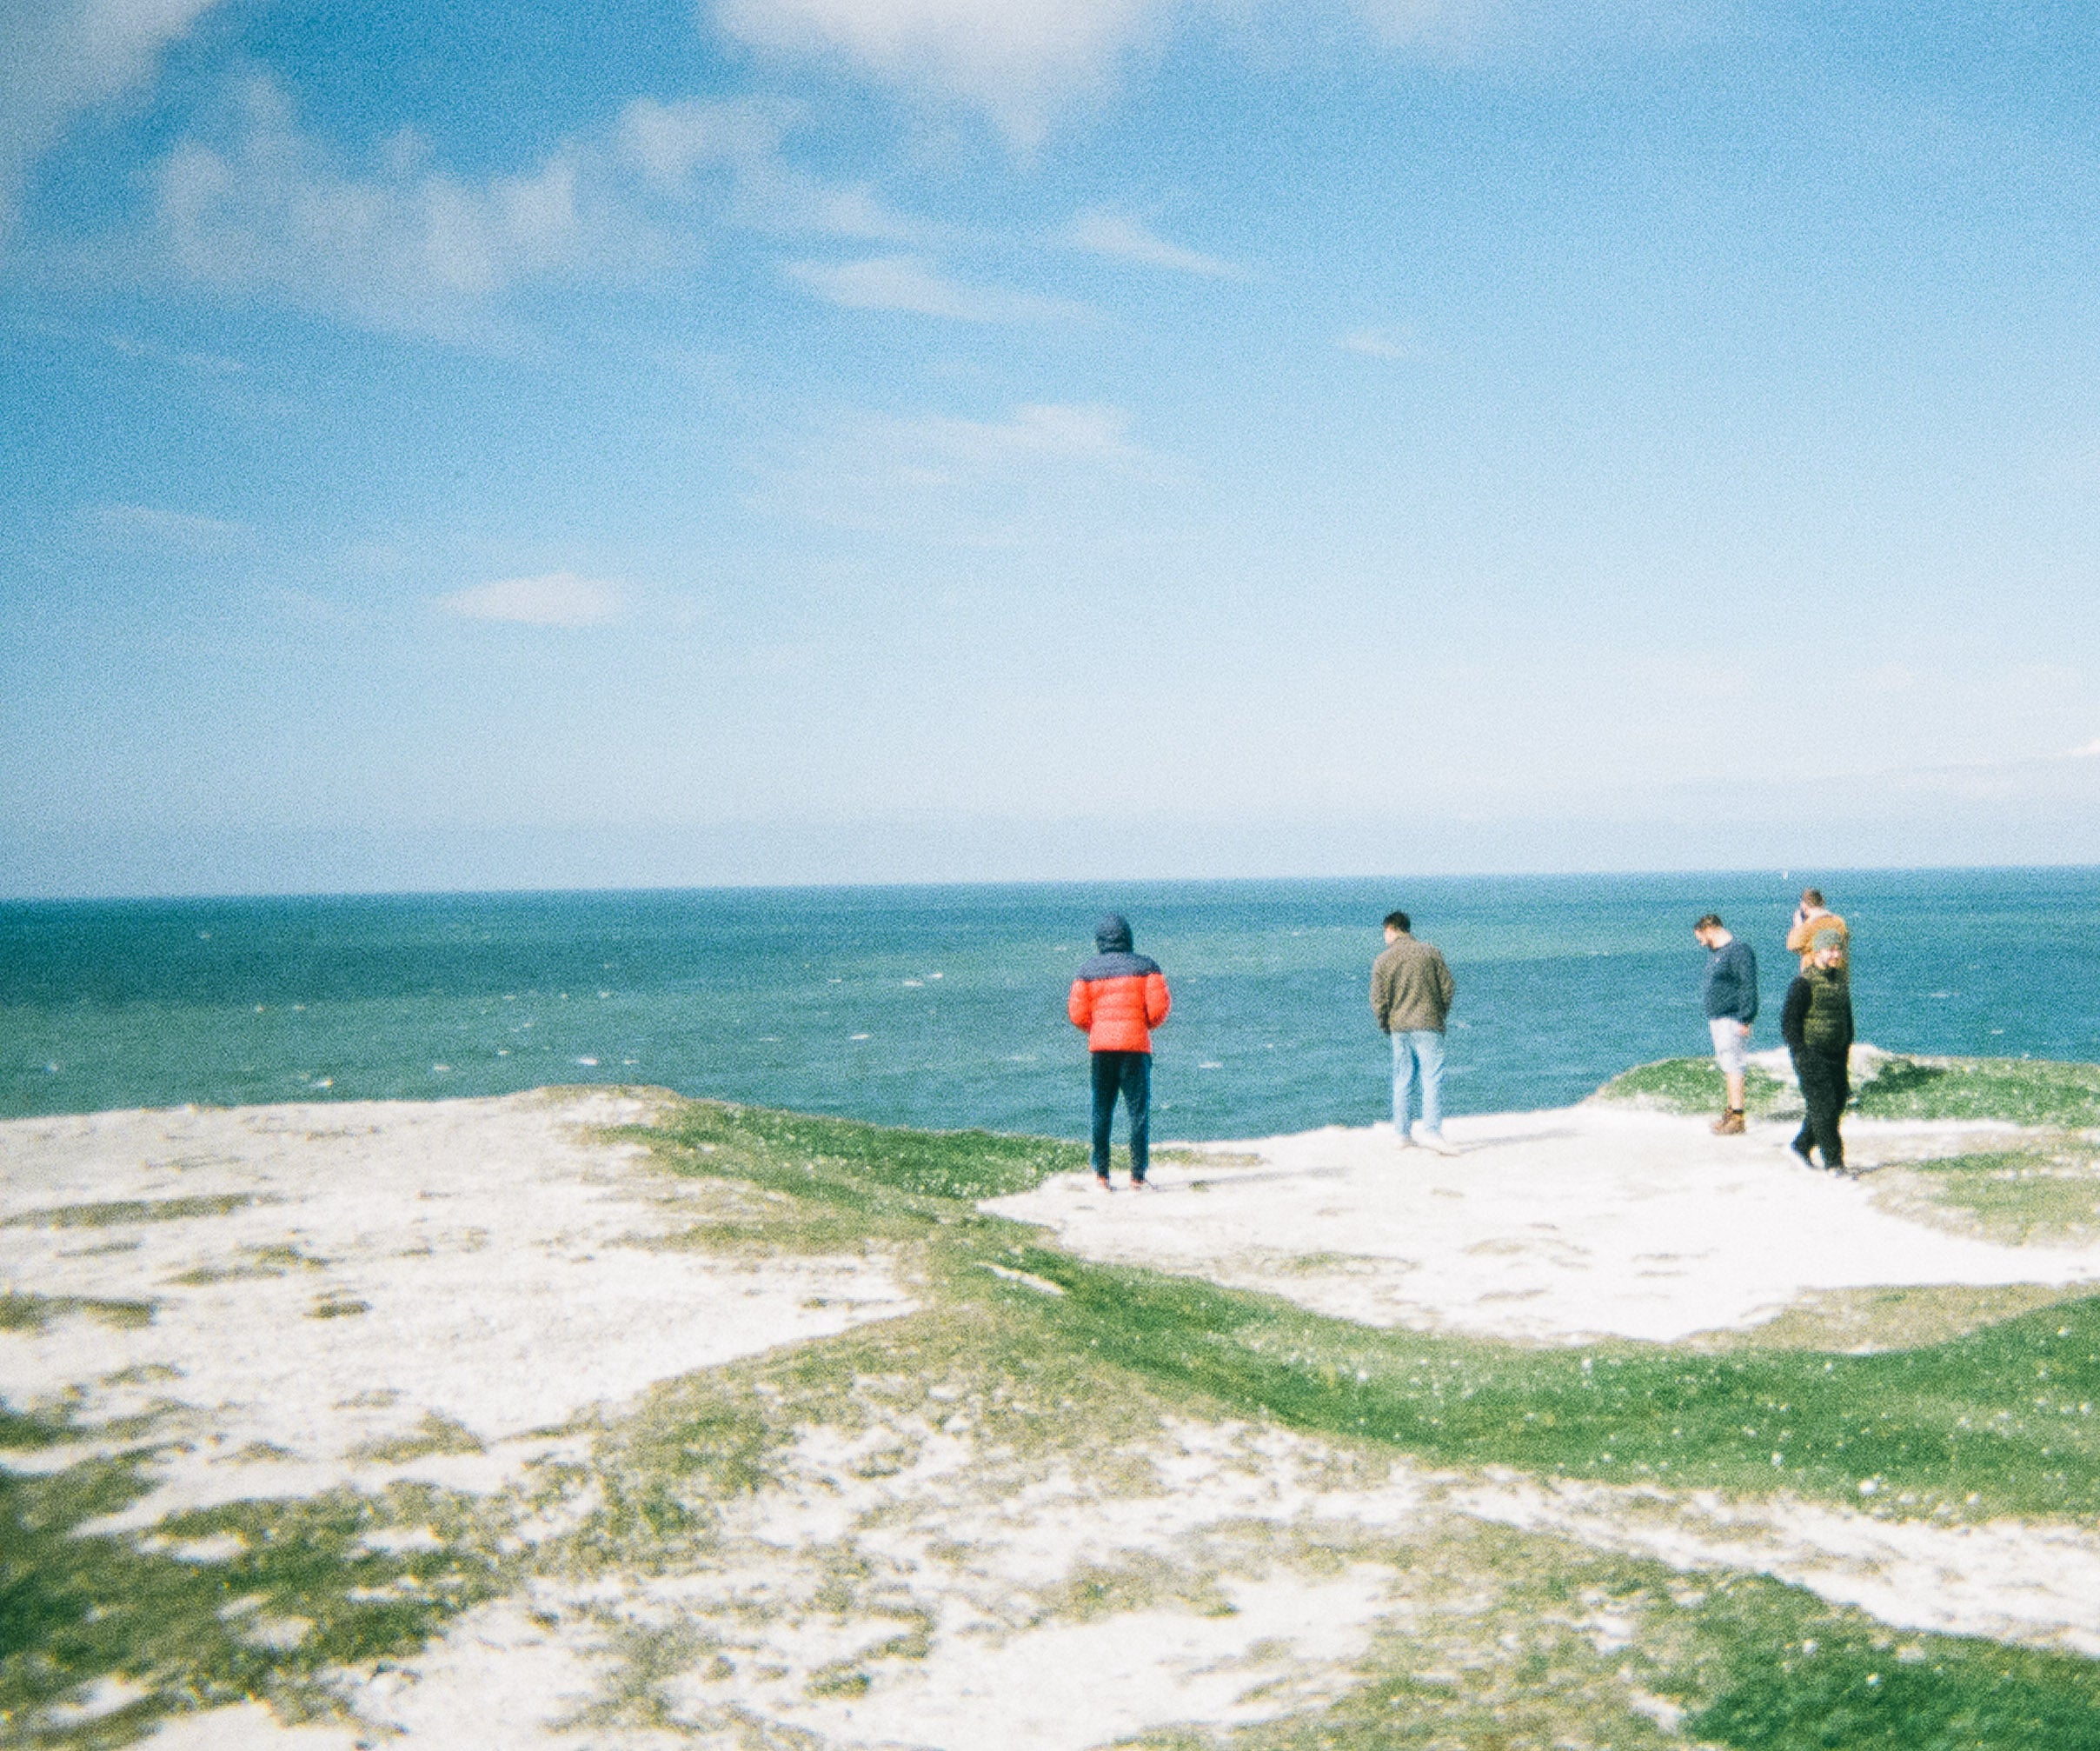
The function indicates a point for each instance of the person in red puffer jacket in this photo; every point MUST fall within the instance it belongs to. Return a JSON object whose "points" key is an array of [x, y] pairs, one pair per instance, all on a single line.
{"points": [[1118, 998]]}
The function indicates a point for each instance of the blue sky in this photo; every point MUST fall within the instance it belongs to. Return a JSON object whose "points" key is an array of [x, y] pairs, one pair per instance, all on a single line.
{"points": [[861, 440]]}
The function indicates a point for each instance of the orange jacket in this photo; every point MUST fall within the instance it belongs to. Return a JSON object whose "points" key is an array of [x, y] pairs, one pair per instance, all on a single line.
{"points": [[1119, 1003]]}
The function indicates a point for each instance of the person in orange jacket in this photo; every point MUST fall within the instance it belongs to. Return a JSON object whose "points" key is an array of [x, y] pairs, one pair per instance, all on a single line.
{"points": [[1118, 998]]}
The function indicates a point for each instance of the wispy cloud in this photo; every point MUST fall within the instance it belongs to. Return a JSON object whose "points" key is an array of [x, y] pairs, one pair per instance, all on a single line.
{"points": [[1379, 343], [59, 58], [257, 208], [911, 284], [402, 247], [1017, 60], [680, 148], [559, 598], [1023, 62], [151, 351], [2090, 750], [145, 525], [1115, 234], [1044, 475]]}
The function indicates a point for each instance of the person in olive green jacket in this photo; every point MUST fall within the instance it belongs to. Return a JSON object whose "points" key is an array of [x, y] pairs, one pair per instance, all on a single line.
{"points": [[1817, 1025], [1410, 994]]}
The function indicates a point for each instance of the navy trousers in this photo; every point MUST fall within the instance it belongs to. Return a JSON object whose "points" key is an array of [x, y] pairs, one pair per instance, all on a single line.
{"points": [[1130, 1073]]}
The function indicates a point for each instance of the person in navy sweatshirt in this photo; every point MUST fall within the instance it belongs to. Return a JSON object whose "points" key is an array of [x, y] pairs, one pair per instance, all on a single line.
{"points": [[1729, 996], [1118, 998]]}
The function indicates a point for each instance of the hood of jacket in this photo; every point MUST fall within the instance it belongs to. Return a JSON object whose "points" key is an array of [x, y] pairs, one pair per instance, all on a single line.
{"points": [[1111, 935]]}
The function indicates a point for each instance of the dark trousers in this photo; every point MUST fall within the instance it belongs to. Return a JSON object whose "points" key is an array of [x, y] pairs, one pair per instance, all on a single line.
{"points": [[1825, 1089], [1131, 1072]]}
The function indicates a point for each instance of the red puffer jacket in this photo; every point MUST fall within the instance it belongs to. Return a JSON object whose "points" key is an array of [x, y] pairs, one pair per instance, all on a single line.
{"points": [[1118, 999]]}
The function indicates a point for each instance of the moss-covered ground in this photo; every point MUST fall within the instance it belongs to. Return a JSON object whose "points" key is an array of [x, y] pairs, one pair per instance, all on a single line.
{"points": [[1039, 1360]]}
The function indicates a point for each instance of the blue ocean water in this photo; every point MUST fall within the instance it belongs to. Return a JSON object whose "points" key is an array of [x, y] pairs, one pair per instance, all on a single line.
{"points": [[944, 1006]]}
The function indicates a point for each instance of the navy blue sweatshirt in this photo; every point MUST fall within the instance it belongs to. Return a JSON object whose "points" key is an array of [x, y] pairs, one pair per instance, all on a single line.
{"points": [[1731, 982]]}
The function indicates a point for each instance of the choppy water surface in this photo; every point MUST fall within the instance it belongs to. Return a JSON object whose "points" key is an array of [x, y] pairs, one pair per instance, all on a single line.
{"points": [[945, 1006]]}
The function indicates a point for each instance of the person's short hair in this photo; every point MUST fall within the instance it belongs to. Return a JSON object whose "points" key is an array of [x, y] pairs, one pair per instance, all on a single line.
{"points": [[1397, 921], [1711, 921], [1811, 896]]}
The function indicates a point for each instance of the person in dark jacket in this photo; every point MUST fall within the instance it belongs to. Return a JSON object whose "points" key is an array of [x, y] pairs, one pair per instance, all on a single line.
{"points": [[1817, 1025], [1729, 996], [1118, 998], [1411, 991]]}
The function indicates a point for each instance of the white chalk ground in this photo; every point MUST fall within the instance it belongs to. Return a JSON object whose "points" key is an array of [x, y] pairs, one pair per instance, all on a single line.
{"points": [[492, 1245], [483, 1262], [1592, 1221]]}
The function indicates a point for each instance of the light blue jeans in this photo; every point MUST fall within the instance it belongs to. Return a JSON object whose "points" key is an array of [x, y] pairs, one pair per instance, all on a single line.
{"points": [[1424, 1046]]}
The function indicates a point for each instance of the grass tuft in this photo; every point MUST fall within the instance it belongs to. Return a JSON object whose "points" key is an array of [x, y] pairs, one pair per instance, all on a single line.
{"points": [[35, 1313], [125, 1210]]}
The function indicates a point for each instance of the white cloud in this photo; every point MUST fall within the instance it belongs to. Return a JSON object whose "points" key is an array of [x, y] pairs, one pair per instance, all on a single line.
{"points": [[59, 57], [1086, 431], [561, 598], [153, 352], [1016, 59], [1112, 234], [676, 147], [396, 243], [1447, 24], [1379, 343], [1038, 473], [1022, 60], [144, 525], [400, 248], [910, 283], [1541, 31], [2090, 751]]}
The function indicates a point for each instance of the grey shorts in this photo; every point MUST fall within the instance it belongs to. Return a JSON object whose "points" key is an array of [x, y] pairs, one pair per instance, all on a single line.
{"points": [[1731, 1044]]}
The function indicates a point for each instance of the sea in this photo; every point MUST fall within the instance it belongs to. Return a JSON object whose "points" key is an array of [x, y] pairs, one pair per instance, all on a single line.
{"points": [[944, 1006]]}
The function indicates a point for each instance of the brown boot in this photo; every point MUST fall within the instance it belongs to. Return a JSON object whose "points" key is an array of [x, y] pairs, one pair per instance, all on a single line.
{"points": [[1730, 1124]]}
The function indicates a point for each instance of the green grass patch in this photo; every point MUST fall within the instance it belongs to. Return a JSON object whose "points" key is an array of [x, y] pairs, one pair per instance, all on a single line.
{"points": [[2001, 1419], [1994, 1414], [123, 1210], [1908, 1316], [858, 1164], [2019, 1195], [1785, 1672], [1512, 1640], [254, 1262], [300, 1594], [1691, 1085], [2022, 1090], [436, 1434]]}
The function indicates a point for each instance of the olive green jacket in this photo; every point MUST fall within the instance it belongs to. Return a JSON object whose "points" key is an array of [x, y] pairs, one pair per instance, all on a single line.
{"points": [[1411, 988]]}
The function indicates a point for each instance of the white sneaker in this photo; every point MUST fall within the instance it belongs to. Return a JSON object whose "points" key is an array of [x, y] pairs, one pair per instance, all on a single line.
{"points": [[1438, 1142]]}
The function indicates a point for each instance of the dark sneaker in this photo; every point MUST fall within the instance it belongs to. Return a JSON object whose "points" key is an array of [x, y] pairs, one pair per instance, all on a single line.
{"points": [[1802, 1149]]}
